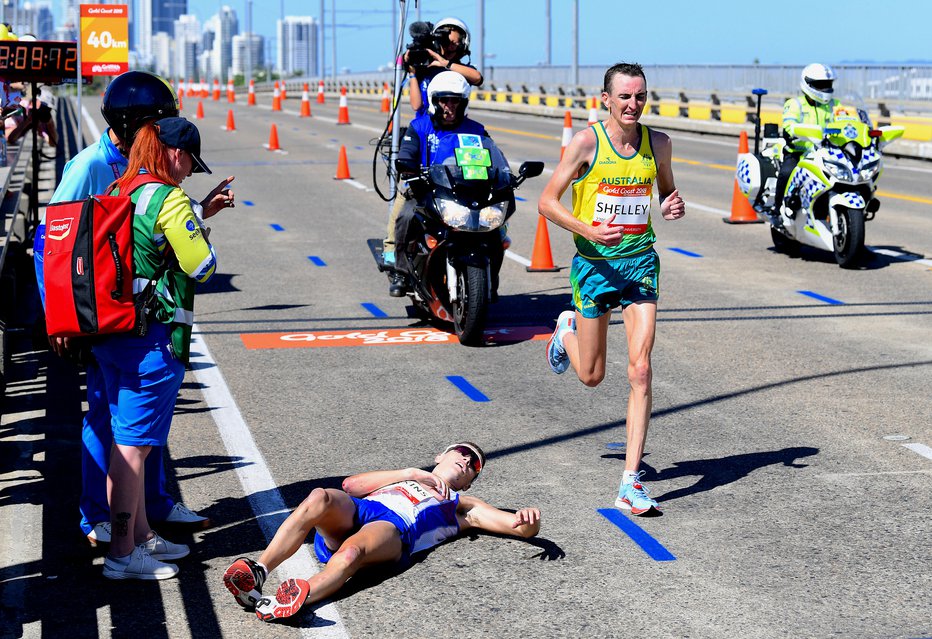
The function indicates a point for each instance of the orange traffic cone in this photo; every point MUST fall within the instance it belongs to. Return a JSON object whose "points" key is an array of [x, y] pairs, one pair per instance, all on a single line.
{"points": [[284, 92], [567, 132], [276, 98], [343, 113], [204, 92], [342, 166], [180, 102], [741, 210], [231, 124], [200, 111], [216, 90], [593, 111], [231, 94], [386, 99], [320, 92], [273, 139], [541, 258], [180, 88], [305, 103], [251, 97], [190, 89]]}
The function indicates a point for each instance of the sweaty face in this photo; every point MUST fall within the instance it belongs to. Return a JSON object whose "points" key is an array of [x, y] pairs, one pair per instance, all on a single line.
{"points": [[627, 98], [448, 108], [457, 467]]}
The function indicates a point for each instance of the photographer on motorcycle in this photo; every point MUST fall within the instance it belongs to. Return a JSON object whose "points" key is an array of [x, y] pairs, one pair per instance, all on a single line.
{"points": [[816, 106], [448, 97], [434, 49]]}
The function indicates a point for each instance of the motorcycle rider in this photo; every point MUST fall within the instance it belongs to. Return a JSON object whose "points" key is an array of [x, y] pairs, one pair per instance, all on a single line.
{"points": [[815, 106], [448, 97]]}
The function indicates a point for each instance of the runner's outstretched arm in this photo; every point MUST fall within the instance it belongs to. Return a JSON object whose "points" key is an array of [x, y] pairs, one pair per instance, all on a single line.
{"points": [[475, 513]]}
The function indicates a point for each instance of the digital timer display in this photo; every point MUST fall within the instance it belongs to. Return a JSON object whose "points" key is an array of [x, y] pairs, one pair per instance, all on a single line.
{"points": [[48, 62]]}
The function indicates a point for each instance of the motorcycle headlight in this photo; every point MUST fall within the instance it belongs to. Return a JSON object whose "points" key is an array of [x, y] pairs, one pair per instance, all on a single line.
{"points": [[453, 213], [869, 170], [492, 217], [839, 171]]}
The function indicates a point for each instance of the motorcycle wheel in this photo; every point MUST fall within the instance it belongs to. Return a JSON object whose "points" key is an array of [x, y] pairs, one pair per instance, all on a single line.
{"points": [[849, 243], [782, 243], [471, 307]]}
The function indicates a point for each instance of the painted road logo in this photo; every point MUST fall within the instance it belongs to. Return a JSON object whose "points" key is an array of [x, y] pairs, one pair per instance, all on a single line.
{"points": [[387, 337]]}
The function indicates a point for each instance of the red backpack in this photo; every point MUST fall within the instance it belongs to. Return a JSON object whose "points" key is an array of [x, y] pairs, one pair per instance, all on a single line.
{"points": [[88, 268]]}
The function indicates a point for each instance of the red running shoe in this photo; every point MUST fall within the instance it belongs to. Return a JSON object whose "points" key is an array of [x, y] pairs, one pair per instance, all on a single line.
{"points": [[244, 579], [288, 600]]}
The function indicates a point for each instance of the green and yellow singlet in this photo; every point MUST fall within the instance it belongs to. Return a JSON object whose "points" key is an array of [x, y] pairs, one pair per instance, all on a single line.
{"points": [[620, 186]]}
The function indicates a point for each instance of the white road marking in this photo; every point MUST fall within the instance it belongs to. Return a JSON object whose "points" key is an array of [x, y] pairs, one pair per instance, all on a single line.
{"points": [[922, 449], [358, 185], [254, 475], [707, 209], [905, 257], [517, 258], [91, 126]]}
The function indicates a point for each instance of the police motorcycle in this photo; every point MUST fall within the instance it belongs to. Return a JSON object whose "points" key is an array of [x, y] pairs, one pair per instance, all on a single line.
{"points": [[461, 207], [830, 194]]}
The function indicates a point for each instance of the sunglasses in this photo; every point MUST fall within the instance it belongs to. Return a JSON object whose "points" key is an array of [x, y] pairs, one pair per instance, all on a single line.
{"points": [[474, 461]]}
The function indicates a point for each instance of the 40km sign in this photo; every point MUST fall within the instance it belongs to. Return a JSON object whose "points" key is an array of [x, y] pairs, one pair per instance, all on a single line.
{"points": [[104, 39]]}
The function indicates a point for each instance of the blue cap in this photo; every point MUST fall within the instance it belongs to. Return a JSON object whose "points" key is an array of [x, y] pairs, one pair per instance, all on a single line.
{"points": [[181, 134]]}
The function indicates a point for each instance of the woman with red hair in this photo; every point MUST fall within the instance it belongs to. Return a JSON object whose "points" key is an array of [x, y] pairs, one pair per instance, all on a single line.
{"points": [[143, 370]]}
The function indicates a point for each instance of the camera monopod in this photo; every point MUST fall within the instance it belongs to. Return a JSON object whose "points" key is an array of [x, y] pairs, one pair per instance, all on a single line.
{"points": [[760, 93]]}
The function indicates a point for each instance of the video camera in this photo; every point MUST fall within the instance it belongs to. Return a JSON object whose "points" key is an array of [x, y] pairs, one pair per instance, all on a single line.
{"points": [[422, 40]]}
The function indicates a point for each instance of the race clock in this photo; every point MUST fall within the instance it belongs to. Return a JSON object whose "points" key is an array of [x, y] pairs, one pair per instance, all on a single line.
{"points": [[45, 61]]}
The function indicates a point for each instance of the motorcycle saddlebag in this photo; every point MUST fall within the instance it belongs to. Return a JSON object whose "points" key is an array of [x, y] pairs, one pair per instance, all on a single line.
{"points": [[88, 269], [752, 174]]}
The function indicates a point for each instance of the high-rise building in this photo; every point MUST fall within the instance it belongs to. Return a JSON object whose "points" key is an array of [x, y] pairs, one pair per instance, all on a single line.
{"points": [[162, 54], [224, 26], [297, 46], [187, 44], [257, 59], [164, 13], [34, 18]]}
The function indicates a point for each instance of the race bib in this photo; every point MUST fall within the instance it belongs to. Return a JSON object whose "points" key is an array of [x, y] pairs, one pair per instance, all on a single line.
{"points": [[630, 203], [409, 490]]}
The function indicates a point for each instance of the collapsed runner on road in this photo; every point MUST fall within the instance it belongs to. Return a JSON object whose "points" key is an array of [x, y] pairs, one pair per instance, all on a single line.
{"points": [[379, 517], [614, 166]]}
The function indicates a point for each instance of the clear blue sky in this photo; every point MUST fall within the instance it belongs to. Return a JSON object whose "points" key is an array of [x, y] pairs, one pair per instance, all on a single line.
{"points": [[659, 32]]}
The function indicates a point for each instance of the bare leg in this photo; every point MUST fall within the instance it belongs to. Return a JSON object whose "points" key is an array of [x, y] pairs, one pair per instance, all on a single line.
{"points": [[586, 348], [376, 542], [330, 511], [125, 492], [640, 325]]}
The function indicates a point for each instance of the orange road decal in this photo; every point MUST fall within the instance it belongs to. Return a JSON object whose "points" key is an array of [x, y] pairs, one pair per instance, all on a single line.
{"points": [[388, 337]]}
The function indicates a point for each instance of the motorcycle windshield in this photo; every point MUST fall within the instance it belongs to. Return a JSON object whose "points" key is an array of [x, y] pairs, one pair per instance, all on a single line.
{"points": [[469, 161]]}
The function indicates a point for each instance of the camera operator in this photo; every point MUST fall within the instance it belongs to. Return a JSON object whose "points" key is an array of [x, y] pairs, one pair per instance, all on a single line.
{"points": [[436, 48]]}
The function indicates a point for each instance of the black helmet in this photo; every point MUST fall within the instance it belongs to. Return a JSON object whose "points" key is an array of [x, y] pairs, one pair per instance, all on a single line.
{"points": [[134, 98]]}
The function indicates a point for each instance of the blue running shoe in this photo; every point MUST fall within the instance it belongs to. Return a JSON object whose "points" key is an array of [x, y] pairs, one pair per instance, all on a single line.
{"points": [[634, 497], [556, 355]]}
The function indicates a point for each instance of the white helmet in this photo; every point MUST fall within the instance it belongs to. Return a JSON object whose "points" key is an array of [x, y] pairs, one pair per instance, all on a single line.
{"points": [[448, 84], [445, 25], [816, 82]]}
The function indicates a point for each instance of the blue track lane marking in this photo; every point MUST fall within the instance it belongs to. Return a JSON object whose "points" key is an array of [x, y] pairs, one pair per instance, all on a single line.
{"points": [[821, 298], [316, 261], [277, 227], [247, 202], [375, 310], [684, 252], [521, 199], [468, 389], [647, 543]]}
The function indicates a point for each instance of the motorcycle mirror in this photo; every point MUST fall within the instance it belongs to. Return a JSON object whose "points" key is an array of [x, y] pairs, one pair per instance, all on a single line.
{"points": [[530, 169]]}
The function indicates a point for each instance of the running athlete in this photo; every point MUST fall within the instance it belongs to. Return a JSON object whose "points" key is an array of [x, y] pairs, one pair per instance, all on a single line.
{"points": [[379, 517], [614, 167]]}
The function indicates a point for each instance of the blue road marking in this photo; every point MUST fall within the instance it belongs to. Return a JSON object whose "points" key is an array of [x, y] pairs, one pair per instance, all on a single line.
{"points": [[521, 199], [616, 446], [375, 310], [468, 389], [647, 543], [316, 261], [277, 227], [821, 298], [360, 148], [247, 202], [684, 252]]}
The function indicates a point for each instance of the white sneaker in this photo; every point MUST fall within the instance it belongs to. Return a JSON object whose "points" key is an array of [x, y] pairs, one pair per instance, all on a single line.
{"points": [[140, 566], [100, 534], [162, 549], [181, 514]]}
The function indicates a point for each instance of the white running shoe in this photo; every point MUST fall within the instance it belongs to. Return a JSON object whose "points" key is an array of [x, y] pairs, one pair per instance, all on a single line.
{"points": [[163, 550], [556, 354], [100, 534], [181, 514], [140, 566]]}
